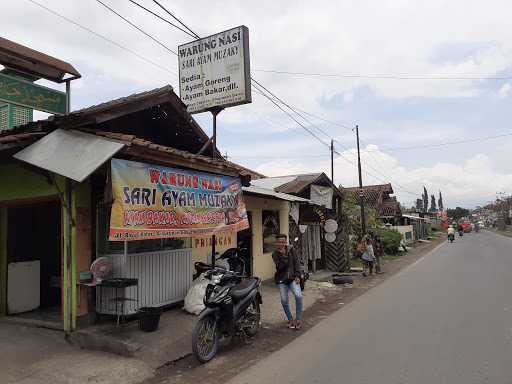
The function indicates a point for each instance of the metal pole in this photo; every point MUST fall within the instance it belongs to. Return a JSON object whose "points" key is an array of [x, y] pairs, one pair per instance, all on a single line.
{"points": [[332, 161], [363, 220], [69, 243], [215, 112], [69, 264], [68, 97]]}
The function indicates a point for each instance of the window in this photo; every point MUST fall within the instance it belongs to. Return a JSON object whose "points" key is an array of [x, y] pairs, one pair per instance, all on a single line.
{"points": [[270, 224]]}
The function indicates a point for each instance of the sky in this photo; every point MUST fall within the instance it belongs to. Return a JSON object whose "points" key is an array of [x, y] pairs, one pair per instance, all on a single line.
{"points": [[402, 121]]}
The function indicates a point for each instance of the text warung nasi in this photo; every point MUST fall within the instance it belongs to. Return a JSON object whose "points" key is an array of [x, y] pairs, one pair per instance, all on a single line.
{"points": [[153, 202]]}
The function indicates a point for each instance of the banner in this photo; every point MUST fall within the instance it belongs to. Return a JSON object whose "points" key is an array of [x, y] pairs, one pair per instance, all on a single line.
{"points": [[154, 202]]}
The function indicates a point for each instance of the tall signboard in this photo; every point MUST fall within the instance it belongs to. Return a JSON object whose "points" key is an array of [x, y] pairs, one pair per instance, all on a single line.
{"points": [[215, 71]]}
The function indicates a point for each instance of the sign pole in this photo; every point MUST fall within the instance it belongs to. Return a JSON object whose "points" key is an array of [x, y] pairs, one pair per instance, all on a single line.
{"points": [[215, 111]]}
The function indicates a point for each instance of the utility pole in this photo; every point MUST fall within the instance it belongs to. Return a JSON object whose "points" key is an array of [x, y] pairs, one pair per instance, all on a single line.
{"points": [[332, 160], [363, 221]]}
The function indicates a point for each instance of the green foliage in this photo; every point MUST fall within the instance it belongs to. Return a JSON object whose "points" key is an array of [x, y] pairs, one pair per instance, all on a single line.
{"points": [[457, 213], [352, 210], [391, 239]]}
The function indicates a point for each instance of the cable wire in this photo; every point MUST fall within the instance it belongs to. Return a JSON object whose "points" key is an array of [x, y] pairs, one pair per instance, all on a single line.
{"points": [[162, 18], [385, 76], [137, 28], [55, 13], [175, 18]]}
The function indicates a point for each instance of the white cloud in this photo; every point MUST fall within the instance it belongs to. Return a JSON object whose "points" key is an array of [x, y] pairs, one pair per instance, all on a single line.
{"points": [[363, 37], [474, 181], [505, 91]]}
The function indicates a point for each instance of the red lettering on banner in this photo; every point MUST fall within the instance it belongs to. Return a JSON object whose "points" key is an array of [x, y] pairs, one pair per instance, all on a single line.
{"points": [[154, 175], [164, 178], [172, 179]]}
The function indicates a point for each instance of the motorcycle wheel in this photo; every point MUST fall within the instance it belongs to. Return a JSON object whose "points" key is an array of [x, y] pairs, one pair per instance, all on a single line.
{"points": [[253, 317], [205, 339]]}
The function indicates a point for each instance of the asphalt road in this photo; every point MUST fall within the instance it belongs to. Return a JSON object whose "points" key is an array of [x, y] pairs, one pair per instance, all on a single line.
{"points": [[445, 319]]}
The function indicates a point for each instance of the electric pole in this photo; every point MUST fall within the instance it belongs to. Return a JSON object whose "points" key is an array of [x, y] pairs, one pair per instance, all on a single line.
{"points": [[332, 160], [363, 223]]}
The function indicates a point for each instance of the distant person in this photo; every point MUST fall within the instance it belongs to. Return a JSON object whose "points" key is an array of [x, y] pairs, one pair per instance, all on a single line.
{"points": [[287, 278], [451, 233], [368, 257]]}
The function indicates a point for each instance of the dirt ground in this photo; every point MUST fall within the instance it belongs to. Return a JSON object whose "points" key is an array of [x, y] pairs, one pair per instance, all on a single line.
{"points": [[238, 356]]}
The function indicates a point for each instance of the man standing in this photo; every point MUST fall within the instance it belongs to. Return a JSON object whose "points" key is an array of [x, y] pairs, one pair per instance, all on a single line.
{"points": [[287, 278]]}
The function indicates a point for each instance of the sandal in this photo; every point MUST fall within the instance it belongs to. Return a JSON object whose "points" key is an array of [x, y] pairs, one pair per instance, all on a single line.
{"points": [[291, 324], [298, 325]]}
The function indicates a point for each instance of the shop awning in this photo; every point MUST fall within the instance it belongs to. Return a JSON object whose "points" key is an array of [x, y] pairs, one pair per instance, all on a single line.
{"points": [[70, 153], [272, 194]]}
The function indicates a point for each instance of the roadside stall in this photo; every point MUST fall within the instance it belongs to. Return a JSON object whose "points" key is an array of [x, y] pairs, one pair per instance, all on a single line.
{"points": [[155, 212]]}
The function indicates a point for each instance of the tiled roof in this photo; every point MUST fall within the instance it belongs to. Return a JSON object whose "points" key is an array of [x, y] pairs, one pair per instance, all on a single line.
{"points": [[134, 141], [25, 134], [377, 197]]}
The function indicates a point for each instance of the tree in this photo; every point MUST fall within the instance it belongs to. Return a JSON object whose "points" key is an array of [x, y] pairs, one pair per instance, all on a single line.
{"points": [[352, 208], [433, 207], [457, 213], [425, 200], [419, 205], [440, 205]]}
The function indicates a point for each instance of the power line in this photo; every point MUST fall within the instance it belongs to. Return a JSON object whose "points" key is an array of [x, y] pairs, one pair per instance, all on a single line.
{"points": [[55, 13], [175, 18], [265, 89], [161, 18], [442, 144], [385, 76], [290, 116], [137, 28], [379, 172]]}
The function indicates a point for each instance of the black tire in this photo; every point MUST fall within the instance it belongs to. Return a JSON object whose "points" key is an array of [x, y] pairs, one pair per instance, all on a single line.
{"points": [[338, 279], [205, 339], [254, 313]]}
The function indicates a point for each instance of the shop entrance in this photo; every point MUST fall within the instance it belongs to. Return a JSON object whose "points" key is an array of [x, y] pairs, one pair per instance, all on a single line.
{"points": [[34, 261]]}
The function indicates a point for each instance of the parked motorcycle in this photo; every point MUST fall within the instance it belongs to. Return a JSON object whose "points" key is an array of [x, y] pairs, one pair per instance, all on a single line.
{"points": [[461, 233], [451, 237], [232, 309], [237, 261]]}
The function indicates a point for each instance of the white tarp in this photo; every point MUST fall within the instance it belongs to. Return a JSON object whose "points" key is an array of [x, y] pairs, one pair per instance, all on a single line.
{"points": [[294, 212], [321, 195], [193, 302]]}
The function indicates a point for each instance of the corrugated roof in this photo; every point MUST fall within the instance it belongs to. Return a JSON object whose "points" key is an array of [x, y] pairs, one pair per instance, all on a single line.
{"points": [[294, 184], [272, 182], [273, 194], [28, 60]]}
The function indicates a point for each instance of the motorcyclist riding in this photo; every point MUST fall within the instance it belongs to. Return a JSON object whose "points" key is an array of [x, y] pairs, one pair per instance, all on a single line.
{"points": [[451, 233]]}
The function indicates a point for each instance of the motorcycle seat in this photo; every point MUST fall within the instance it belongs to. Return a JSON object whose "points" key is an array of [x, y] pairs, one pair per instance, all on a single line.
{"points": [[243, 288]]}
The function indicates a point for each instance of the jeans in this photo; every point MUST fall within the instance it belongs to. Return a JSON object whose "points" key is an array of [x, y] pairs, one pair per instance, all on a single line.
{"points": [[368, 267], [284, 290]]}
